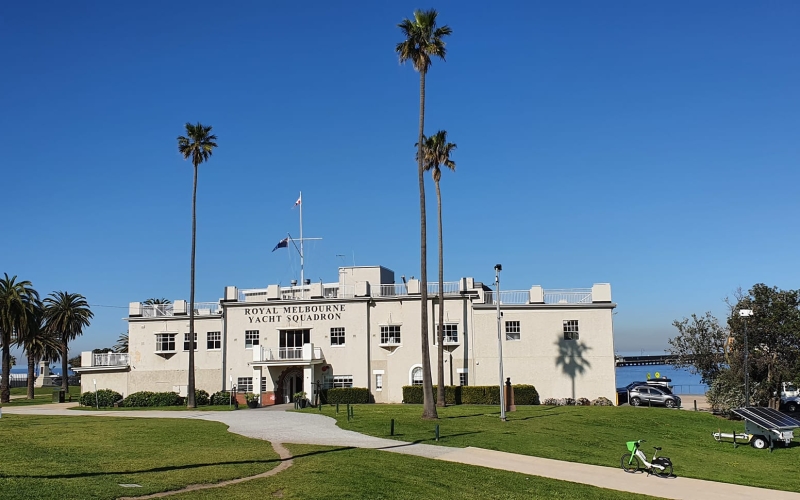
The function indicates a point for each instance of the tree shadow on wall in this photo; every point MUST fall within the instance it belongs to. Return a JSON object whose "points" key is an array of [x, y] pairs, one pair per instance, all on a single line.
{"points": [[571, 359]]}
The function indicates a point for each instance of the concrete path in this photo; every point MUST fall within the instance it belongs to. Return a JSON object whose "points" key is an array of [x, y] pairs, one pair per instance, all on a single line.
{"points": [[278, 426]]}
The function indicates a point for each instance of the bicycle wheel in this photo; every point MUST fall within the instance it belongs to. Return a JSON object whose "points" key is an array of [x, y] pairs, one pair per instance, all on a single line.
{"points": [[664, 462], [628, 464]]}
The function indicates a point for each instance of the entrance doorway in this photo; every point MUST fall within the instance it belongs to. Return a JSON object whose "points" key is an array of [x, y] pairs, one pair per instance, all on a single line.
{"points": [[292, 384]]}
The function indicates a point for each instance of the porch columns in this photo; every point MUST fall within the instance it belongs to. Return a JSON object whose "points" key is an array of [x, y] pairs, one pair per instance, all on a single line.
{"points": [[257, 382], [308, 380]]}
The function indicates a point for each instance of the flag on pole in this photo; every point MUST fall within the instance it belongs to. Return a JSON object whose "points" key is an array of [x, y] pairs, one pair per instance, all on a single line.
{"points": [[282, 244], [299, 200]]}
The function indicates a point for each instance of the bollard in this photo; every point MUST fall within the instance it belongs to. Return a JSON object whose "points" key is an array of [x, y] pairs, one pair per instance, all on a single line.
{"points": [[337, 408], [348, 412], [437, 432], [734, 440], [353, 412], [695, 405], [320, 407], [391, 432]]}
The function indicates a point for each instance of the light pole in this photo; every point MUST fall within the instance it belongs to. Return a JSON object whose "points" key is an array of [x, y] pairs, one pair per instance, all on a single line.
{"points": [[744, 314], [497, 269]]}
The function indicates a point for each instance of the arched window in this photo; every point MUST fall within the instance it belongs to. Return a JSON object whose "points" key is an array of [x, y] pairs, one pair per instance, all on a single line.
{"points": [[416, 375]]}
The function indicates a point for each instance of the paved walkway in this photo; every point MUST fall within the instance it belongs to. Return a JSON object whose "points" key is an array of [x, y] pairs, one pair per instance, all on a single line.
{"points": [[278, 426]]}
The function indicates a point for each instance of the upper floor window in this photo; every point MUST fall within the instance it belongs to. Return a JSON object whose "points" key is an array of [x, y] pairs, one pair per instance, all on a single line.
{"points": [[390, 334], [337, 336], [165, 342], [250, 338], [571, 329], [186, 342], [512, 330], [450, 334], [213, 341]]}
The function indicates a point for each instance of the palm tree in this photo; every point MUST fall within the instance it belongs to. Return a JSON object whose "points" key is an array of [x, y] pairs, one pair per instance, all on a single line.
{"points": [[156, 302], [17, 298], [38, 343], [199, 145], [122, 343], [65, 316], [436, 152], [423, 40]]}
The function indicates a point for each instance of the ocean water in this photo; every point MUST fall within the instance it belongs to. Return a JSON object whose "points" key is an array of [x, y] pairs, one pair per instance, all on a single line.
{"points": [[683, 382]]}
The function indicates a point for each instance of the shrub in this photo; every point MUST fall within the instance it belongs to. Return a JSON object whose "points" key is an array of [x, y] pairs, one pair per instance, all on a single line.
{"points": [[201, 397], [147, 398], [221, 398], [412, 394], [601, 401], [473, 394], [525, 395], [551, 402], [105, 398], [583, 402], [345, 395], [726, 392], [480, 395]]}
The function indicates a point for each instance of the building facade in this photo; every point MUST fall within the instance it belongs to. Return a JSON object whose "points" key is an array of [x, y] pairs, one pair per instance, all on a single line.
{"points": [[364, 331]]}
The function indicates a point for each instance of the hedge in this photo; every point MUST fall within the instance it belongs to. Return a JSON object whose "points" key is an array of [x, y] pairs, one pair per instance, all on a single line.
{"points": [[473, 394], [147, 398], [344, 395], [200, 397], [105, 398], [221, 398]]}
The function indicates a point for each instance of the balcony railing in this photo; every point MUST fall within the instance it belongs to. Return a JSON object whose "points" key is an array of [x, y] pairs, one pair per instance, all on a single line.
{"points": [[390, 290], [286, 354], [167, 310], [564, 296], [156, 310], [449, 287], [110, 359]]}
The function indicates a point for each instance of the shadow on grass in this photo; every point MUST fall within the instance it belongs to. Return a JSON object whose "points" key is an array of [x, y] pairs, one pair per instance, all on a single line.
{"points": [[170, 468]]}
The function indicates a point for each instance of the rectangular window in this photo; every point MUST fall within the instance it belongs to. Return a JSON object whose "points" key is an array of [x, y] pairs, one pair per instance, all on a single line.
{"points": [[165, 342], [450, 334], [250, 338], [512, 330], [342, 381], [213, 341], [337, 336], [463, 379], [379, 381], [244, 384], [327, 381], [571, 329], [390, 334], [186, 342], [263, 384]]}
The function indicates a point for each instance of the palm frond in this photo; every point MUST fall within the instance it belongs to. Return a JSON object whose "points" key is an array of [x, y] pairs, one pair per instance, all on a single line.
{"points": [[423, 40]]}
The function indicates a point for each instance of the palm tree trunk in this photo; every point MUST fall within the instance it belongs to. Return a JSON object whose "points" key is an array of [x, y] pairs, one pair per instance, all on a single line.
{"points": [[64, 365], [31, 366], [190, 403], [429, 406], [440, 400], [5, 393]]}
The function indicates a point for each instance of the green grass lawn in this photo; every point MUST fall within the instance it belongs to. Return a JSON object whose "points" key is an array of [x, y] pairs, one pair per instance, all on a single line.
{"points": [[163, 408], [41, 396], [588, 434], [77, 457]]}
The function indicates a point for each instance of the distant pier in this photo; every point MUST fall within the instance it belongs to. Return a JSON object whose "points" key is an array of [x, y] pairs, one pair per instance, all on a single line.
{"points": [[661, 359]]}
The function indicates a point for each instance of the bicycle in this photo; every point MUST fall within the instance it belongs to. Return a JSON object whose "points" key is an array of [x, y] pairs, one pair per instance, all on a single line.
{"points": [[660, 466]]}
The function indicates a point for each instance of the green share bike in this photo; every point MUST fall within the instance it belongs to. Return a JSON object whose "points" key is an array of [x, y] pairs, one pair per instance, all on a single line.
{"points": [[659, 466]]}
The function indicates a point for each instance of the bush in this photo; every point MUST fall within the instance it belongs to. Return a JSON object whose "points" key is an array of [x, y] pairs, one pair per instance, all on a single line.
{"points": [[147, 399], [345, 395], [105, 398], [412, 394], [201, 397], [473, 394], [726, 392], [525, 395], [551, 402], [583, 402], [221, 398], [601, 401]]}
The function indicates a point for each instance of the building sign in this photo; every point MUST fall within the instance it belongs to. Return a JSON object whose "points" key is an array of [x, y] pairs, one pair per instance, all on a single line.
{"points": [[294, 314]]}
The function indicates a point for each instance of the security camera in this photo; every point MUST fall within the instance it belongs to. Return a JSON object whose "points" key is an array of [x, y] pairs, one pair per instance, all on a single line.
{"points": [[498, 267], [745, 312]]}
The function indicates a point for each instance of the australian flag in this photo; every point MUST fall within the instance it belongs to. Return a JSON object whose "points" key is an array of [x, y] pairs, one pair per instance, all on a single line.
{"points": [[282, 244]]}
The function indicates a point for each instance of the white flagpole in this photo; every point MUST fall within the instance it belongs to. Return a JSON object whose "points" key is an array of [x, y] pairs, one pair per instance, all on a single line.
{"points": [[302, 275]]}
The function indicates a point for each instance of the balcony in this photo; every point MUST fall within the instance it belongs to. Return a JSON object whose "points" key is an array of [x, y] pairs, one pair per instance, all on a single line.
{"points": [[103, 362], [307, 354], [180, 308], [110, 359]]}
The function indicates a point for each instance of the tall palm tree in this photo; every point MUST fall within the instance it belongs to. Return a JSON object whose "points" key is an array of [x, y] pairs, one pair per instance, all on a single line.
{"points": [[38, 343], [423, 40], [17, 298], [65, 316], [436, 152], [199, 146], [122, 343]]}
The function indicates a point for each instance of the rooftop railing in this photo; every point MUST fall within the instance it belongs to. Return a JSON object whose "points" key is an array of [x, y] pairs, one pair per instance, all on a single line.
{"points": [[167, 310], [110, 359], [562, 296]]}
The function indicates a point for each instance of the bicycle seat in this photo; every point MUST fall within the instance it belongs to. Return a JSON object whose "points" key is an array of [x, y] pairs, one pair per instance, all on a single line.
{"points": [[657, 448]]}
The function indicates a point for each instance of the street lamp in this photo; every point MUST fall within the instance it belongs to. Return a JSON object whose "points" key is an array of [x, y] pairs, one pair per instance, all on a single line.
{"points": [[497, 269], [745, 313]]}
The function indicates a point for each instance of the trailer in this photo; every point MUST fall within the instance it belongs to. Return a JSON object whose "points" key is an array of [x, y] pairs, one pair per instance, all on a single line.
{"points": [[765, 427]]}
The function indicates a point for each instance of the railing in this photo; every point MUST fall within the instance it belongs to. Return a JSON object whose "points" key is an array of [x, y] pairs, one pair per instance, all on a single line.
{"points": [[253, 295], [166, 310], [509, 297], [449, 287], [287, 353], [206, 308], [690, 389], [390, 290], [156, 310], [568, 296], [110, 359]]}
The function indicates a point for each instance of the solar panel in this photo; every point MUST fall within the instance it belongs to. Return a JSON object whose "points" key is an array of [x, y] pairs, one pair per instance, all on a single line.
{"points": [[767, 417]]}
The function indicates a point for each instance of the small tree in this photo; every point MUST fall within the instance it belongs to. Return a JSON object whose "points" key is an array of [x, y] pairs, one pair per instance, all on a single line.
{"points": [[699, 346]]}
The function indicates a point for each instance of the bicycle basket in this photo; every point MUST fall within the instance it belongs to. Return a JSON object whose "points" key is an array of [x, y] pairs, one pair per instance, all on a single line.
{"points": [[631, 446]]}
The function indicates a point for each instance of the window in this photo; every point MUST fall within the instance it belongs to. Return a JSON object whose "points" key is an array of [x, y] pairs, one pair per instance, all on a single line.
{"points": [[244, 384], [213, 341], [263, 384], [337, 336], [250, 338], [570, 329], [165, 342], [390, 334], [416, 376], [450, 334], [379, 381], [463, 379], [512, 330], [186, 341], [327, 381], [342, 381]]}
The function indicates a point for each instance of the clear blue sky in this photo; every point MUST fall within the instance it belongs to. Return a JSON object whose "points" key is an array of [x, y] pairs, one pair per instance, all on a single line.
{"points": [[650, 145]]}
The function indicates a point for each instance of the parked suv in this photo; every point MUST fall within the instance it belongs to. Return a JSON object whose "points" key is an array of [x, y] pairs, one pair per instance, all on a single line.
{"points": [[651, 395]]}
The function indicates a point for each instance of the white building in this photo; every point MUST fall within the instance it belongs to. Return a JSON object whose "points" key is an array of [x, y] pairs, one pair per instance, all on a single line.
{"points": [[364, 331]]}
